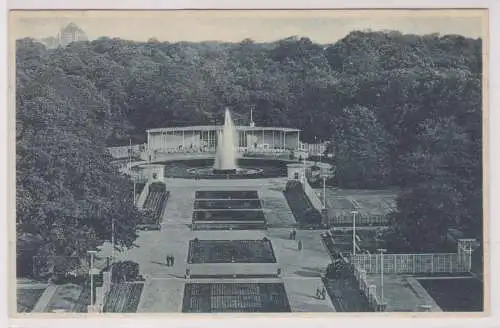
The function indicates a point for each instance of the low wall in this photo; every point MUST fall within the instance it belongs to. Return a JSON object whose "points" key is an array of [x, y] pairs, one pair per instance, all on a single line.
{"points": [[311, 194], [230, 269]]}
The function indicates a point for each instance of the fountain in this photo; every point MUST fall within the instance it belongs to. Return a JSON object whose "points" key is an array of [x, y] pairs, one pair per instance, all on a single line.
{"points": [[225, 157], [225, 164]]}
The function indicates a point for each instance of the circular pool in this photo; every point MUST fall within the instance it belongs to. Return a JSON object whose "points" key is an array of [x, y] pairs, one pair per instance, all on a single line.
{"points": [[247, 168]]}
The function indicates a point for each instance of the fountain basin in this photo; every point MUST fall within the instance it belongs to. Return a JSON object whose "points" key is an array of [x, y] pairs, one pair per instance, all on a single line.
{"points": [[211, 173], [224, 171], [202, 168]]}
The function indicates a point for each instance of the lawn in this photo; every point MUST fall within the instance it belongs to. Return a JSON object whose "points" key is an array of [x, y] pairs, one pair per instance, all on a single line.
{"points": [[27, 298], [456, 295], [67, 298]]}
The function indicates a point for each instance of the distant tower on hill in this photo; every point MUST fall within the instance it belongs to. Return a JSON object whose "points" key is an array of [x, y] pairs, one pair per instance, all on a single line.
{"points": [[71, 33]]}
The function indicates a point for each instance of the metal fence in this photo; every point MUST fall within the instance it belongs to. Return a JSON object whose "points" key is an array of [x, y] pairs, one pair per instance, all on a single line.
{"points": [[361, 220], [126, 151], [412, 263]]}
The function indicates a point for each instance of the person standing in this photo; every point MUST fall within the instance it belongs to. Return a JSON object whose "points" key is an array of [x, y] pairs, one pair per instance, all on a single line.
{"points": [[167, 260], [323, 293], [299, 245], [172, 259]]}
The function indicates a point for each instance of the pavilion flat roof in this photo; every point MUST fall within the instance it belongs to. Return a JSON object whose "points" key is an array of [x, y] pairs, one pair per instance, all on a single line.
{"points": [[218, 127]]}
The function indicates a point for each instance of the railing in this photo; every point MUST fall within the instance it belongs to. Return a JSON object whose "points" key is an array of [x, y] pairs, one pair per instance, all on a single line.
{"points": [[410, 263], [361, 220], [370, 291], [123, 151]]}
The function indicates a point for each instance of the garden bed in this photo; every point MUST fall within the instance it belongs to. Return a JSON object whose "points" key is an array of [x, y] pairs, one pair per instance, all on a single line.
{"points": [[124, 297], [228, 215], [235, 297], [227, 204], [231, 251], [227, 194], [304, 212]]}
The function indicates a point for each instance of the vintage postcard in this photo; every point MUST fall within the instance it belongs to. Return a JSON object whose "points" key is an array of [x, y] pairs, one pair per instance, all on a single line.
{"points": [[251, 161]]}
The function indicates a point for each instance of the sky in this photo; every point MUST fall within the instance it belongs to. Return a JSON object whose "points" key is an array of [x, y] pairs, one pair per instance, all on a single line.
{"points": [[321, 26]]}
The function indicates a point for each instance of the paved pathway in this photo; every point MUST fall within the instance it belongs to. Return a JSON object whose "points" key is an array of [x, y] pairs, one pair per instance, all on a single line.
{"points": [[302, 295], [164, 287]]}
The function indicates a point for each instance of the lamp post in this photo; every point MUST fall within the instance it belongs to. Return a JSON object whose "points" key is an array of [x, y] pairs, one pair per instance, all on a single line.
{"points": [[134, 179], [469, 255], [91, 273], [112, 240], [354, 212], [381, 251], [324, 191]]}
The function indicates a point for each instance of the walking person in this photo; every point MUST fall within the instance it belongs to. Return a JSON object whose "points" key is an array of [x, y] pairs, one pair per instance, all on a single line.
{"points": [[167, 260], [294, 233], [172, 259], [318, 296], [323, 293], [299, 245]]}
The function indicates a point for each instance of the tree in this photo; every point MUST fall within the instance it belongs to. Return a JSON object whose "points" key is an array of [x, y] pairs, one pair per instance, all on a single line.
{"points": [[361, 154]]}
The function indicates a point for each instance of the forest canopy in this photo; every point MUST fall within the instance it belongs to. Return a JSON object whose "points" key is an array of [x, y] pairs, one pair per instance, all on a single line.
{"points": [[400, 111]]}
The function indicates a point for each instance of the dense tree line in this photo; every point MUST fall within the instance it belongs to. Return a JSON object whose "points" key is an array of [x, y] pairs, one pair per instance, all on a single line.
{"points": [[400, 111]]}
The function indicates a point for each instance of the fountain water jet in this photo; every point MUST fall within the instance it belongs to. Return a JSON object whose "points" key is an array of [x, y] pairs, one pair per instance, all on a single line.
{"points": [[225, 156]]}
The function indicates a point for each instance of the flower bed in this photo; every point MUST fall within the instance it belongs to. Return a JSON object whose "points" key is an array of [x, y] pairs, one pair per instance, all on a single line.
{"points": [[154, 206], [228, 251], [304, 212], [124, 297]]}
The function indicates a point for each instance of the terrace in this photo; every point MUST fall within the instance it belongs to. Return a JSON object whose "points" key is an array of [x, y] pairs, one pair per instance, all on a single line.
{"points": [[228, 210]]}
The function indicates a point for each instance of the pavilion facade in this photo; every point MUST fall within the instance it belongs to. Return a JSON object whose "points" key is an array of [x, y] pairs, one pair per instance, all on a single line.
{"points": [[205, 137]]}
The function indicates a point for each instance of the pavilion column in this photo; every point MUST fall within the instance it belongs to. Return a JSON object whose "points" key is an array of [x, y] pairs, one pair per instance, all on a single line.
{"points": [[298, 140], [262, 143], [284, 139], [273, 139], [183, 141]]}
